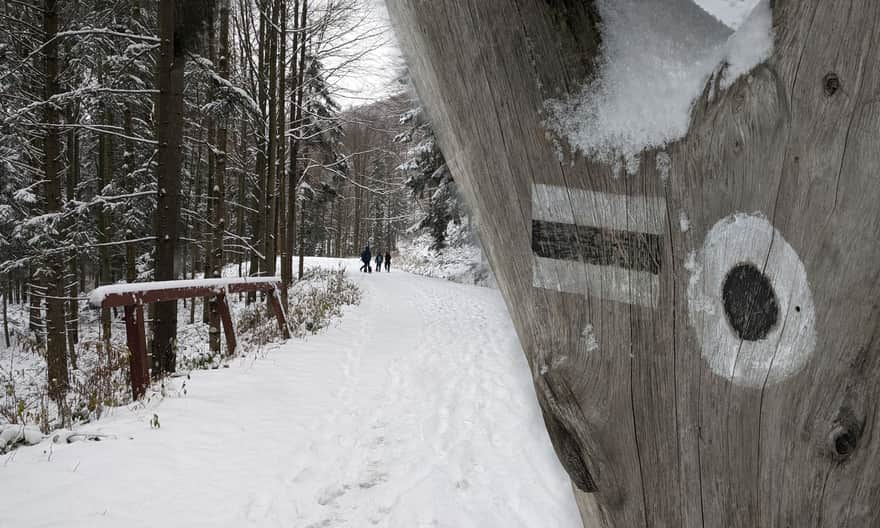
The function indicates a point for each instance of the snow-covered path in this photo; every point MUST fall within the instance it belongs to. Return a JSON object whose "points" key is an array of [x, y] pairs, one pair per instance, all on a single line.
{"points": [[415, 410]]}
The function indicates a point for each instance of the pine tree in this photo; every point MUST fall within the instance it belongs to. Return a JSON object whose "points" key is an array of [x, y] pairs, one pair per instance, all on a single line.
{"points": [[429, 177]]}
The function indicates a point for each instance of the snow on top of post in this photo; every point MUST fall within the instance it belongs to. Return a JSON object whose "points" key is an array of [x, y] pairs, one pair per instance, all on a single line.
{"points": [[97, 296], [655, 60]]}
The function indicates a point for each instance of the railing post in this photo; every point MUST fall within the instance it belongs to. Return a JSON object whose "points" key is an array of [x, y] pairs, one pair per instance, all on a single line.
{"points": [[135, 333], [223, 309], [275, 301]]}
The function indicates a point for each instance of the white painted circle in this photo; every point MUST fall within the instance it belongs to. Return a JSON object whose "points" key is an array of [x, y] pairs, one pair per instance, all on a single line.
{"points": [[747, 239]]}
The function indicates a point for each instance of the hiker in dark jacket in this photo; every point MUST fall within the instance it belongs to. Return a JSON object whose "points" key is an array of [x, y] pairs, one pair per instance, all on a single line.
{"points": [[379, 262], [366, 257], [388, 262]]}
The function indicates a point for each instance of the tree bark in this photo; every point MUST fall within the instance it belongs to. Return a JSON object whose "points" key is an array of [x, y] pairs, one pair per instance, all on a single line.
{"points": [[73, 264], [260, 230], [5, 315], [284, 175], [219, 190], [196, 230], [56, 328], [301, 15], [105, 176], [170, 69], [269, 247], [35, 306], [240, 228], [663, 410], [129, 161], [212, 170], [293, 163]]}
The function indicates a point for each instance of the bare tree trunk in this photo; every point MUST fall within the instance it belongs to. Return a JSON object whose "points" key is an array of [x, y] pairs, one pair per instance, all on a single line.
{"points": [[272, 145], [72, 270], [129, 161], [283, 249], [35, 292], [726, 372], [208, 264], [358, 207], [219, 190], [260, 230], [105, 175], [300, 101], [56, 328], [300, 17], [240, 228], [339, 207], [293, 164], [5, 315], [302, 231], [170, 69], [196, 258]]}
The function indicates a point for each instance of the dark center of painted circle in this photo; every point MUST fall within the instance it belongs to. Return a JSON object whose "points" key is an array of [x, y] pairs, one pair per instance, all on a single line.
{"points": [[750, 302]]}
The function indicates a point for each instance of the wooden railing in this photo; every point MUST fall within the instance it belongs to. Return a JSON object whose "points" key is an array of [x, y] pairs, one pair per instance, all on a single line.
{"points": [[133, 297]]}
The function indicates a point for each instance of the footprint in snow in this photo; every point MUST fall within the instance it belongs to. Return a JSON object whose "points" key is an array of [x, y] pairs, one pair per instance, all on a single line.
{"points": [[331, 493]]}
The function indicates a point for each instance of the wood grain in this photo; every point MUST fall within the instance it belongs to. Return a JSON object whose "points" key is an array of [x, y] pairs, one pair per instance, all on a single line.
{"points": [[649, 433]]}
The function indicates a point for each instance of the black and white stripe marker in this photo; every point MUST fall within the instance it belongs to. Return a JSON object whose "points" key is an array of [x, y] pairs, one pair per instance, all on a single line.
{"points": [[598, 244]]}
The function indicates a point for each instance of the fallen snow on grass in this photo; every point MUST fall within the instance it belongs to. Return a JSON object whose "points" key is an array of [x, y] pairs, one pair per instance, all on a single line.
{"points": [[415, 409], [461, 261], [656, 58]]}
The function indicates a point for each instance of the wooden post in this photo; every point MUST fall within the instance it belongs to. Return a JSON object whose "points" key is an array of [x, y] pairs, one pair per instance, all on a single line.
{"points": [[702, 334], [275, 301], [135, 331], [226, 319]]}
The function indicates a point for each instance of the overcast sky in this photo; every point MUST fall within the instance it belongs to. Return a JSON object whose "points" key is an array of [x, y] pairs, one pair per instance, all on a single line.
{"points": [[376, 74]]}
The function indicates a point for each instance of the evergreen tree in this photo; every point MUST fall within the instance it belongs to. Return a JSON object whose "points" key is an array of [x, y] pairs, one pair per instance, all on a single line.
{"points": [[429, 177]]}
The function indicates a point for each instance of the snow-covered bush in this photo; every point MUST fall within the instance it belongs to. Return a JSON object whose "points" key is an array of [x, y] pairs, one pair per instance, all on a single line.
{"points": [[313, 303], [461, 261], [99, 381], [14, 435]]}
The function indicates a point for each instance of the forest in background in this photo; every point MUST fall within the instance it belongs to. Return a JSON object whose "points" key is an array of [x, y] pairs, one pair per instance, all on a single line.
{"points": [[146, 141]]}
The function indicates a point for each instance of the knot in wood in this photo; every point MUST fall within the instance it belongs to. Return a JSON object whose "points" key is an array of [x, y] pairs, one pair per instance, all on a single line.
{"points": [[845, 435], [843, 442], [831, 83]]}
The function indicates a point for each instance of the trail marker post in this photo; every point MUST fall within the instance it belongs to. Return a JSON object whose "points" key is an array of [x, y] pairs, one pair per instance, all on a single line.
{"points": [[700, 315]]}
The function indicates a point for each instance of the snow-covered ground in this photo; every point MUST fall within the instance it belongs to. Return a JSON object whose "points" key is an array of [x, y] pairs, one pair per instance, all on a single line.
{"points": [[415, 410]]}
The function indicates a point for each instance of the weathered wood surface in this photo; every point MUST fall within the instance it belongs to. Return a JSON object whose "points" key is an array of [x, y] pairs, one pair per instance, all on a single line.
{"points": [[675, 392]]}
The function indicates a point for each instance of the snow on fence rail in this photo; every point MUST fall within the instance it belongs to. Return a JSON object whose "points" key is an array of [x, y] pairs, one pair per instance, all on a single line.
{"points": [[133, 297], [150, 292]]}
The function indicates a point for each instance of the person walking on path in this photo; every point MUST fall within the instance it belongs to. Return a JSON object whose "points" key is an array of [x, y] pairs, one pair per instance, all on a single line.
{"points": [[366, 257], [387, 262], [379, 262]]}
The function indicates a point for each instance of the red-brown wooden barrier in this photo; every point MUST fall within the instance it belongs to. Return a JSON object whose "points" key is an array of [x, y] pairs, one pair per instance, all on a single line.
{"points": [[133, 297]]}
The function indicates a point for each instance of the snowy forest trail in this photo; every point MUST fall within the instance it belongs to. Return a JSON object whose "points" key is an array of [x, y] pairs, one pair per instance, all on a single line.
{"points": [[415, 410]]}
